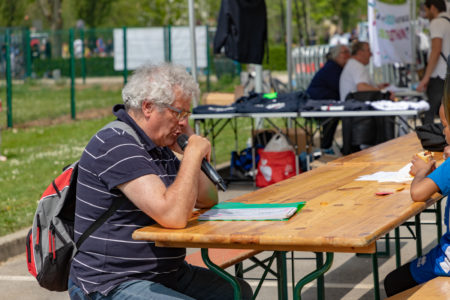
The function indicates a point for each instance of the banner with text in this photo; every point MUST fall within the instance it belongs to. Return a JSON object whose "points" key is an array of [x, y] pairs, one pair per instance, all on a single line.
{"points": [[389, 32]]}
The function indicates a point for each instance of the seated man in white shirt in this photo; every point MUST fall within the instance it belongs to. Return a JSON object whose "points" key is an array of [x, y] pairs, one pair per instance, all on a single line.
{"points": [[355, 77], [361, 132]]}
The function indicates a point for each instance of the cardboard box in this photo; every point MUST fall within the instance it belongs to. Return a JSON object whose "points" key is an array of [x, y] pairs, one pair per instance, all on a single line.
{"points": [[218, 98], [290, 134]]}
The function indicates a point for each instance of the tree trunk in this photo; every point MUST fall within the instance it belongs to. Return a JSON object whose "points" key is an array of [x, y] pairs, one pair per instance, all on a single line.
{"points": [[52, 10], [305, 18], [301, 42]]}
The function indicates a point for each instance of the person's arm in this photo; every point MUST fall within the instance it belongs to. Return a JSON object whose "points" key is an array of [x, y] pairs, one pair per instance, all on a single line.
{"points": [[364, 86], [171, 207], [207, 191], [446, 152], [422, 187], [436, 48]]}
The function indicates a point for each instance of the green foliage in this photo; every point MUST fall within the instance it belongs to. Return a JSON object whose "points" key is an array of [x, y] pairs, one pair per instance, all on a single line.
{"points": [[35, 156], [93, 12], [12, 12], [95, 66], [277, 58], [33, 101]]}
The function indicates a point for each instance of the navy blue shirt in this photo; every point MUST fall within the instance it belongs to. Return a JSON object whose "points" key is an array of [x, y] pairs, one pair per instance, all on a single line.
{"points": [[325, 83], [110, 256]]}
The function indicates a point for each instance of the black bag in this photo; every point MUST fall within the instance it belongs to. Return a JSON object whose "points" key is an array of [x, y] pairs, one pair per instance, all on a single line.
{"points": [[431, 137]]}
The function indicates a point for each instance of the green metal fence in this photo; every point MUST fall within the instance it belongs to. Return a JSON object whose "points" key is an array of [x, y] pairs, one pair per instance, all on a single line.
{"points": [[39, 58]]}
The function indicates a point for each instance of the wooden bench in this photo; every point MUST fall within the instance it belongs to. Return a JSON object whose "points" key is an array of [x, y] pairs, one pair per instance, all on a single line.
{"points": [[437, 288], [223, 258]]}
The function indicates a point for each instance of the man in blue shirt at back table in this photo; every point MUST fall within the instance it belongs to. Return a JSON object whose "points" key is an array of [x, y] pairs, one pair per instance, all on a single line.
{"points": [[325, 86]]}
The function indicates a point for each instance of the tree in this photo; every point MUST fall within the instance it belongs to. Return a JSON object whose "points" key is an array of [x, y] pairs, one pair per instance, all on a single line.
{"points": [[12, 13], [52, 11], [93, 13]]}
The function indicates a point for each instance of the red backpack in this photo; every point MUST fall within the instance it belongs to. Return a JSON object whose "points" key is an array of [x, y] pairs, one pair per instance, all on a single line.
{"points": [[49, 245]]}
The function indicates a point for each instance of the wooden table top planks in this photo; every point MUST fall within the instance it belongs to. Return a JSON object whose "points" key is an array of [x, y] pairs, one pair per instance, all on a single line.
{"points": [[341, 214], [399, 150]]}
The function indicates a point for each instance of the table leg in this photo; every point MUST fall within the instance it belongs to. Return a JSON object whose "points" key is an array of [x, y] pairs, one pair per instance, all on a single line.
{"points": [[398, 259], [320, 279], [221, 273], [313, 275], [376, 284], [282, 275], [439, 220], [418, 235]]}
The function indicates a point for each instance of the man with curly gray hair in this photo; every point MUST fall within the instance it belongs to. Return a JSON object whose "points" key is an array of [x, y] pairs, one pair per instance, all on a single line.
{"points": [[159, 189]]}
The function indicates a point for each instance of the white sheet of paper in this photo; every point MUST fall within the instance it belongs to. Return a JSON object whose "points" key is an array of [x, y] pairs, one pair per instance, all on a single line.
{"points": [[401, 175], [272, 213]]}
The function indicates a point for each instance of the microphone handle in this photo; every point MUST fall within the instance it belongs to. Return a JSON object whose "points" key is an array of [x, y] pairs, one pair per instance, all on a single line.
{"points": [[212, 174]]}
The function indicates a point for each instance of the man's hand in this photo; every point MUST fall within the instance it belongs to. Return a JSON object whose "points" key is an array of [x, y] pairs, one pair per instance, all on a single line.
{"points": [[418, 165], [392, 96], [422, 86], [187, 130], [198, 145]]}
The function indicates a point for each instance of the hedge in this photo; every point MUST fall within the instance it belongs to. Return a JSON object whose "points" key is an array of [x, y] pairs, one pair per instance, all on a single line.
{"points": [[95, 66], [104, 66]]}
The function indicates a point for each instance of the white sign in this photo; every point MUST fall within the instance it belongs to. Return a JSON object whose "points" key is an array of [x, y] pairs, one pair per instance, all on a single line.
{"points": [[181, 46], [146, 45], [389, 32]]}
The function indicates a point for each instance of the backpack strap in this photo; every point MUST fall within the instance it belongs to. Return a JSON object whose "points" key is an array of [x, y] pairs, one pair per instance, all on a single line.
{"points": [[99, 222], [117, 202], [448, 19], [124, 126]]}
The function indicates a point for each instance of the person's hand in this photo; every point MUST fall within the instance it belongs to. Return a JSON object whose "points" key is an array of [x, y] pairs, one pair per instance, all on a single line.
{"points": [[419, 165], [198, 145], [187, 130], [392, 96], [422, 86], [446, 152]]}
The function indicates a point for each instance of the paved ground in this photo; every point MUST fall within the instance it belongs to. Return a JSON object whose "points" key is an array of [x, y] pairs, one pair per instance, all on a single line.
{"points": [[350, 276]]}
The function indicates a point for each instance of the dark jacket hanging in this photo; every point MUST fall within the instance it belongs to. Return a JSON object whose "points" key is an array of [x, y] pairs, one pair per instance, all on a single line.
{"points": [[242, 30]]}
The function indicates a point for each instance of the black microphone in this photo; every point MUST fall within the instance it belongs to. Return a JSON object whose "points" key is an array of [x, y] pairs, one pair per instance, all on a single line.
{"points": [[209, 171]]}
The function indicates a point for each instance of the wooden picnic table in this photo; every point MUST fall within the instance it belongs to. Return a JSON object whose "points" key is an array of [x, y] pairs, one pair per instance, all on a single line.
{"points": [[340, 215], [398, 150]]}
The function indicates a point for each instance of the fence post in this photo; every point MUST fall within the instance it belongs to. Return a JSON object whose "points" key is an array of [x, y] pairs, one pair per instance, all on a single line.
{"points": [[208, 60], [8, 79], [169, 43], [72, 74], [27, 53], [83, 58], [125, 70]]}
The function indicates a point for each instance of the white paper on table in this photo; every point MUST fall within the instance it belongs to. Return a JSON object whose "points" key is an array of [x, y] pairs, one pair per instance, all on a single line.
{"points": [[397, 89], [401, 175], [270, 213]]}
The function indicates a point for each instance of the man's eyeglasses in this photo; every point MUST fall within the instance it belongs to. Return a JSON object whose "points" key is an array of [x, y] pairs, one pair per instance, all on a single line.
{"points": [[181, 115]]}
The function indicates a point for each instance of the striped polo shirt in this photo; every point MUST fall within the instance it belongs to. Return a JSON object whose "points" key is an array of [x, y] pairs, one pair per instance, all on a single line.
{"points": [[110, 256]]}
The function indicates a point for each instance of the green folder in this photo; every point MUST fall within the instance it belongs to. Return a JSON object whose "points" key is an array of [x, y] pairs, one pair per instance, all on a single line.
{"points": [[236, 211]]}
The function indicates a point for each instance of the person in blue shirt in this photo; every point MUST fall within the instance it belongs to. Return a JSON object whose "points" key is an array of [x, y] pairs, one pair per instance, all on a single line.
{"points": [[159, 187], [325, 86], [427, 180]]}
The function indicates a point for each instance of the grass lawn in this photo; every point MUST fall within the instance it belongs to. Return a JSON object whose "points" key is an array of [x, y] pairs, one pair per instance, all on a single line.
{"points": [[37, 154], [34, 101]]}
